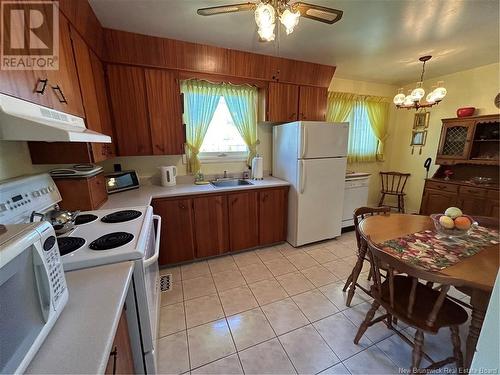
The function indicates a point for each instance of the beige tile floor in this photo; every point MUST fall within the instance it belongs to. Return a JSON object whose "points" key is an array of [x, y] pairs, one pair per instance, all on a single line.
{"points": [[278, 310]]}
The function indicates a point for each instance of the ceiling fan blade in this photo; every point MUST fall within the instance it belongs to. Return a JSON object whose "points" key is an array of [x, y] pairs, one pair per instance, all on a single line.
{"points": [[210, 11], [318, 12]]}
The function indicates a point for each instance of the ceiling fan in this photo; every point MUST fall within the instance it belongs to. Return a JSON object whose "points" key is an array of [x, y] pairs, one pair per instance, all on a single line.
{"points": [[266, 12]]}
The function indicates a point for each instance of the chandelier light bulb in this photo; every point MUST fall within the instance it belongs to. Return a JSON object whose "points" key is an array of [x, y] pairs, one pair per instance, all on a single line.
{"points": [[265, 16], [266, 33], [399, 98], [408, 102], [440, 92], [430, 98], [289, 19], [418, 93]]}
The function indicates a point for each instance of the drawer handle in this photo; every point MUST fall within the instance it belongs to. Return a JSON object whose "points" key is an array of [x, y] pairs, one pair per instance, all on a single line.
{"points": [[43, 82], [114, 353], [59, 94]]}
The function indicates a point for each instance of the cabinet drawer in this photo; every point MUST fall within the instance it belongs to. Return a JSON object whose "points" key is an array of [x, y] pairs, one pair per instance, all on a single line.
{"points": [[493, 194], [443, 186], [468, 190]]}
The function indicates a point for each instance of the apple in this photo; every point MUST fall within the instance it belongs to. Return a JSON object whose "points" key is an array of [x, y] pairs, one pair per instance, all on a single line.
{"points": [[462, 223], [453, 212], [446, 222]]}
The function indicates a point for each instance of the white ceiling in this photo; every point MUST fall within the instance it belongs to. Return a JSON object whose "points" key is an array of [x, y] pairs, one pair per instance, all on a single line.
{"points": [[376, 40]]}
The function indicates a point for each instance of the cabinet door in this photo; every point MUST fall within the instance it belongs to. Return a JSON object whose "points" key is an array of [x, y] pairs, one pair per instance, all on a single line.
{"points": [[211, 225], [121, 360], [88, 89], [273, 205], [177, 242], [283, 102], [63, 82], [98, 193], [102, 102], [436, 201], [312, 103], [130, 114], [493, 209], [165, 114], [243, 220], [472, 205], [455, 142]]}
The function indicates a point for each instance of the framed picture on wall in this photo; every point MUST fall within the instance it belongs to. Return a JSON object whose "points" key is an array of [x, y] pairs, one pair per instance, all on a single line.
{"points": [[421, 120], [418, 137]]}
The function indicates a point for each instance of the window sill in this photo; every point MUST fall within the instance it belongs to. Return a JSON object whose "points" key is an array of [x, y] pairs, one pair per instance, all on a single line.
{"points": [[234, 157]]}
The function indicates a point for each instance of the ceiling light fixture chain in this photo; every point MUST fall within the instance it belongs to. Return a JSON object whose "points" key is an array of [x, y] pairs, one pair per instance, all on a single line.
{"points": [[414, 99]]}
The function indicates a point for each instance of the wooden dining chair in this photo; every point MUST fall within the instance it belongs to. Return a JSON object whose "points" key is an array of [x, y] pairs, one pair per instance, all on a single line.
{"points": [[419, 305], [393, 183], [352, 281]]}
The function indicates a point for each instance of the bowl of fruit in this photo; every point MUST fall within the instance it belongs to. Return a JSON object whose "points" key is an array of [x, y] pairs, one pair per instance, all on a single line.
{"points": [[453, 223]]}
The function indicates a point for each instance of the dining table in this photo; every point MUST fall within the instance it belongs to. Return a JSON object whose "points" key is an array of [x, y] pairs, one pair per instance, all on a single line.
{"points": [[477, 273]]}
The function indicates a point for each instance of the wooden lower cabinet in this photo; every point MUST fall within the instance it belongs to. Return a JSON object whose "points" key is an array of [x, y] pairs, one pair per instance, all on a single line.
{"points": [[273, 204], [438, 196], [202, 226], [177, 235], [243, 220], [120, 359], [210, 225], [82, 193]]}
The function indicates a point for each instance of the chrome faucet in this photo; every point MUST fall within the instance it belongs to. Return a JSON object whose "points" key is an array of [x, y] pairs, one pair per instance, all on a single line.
{"points": [[225, 174]]}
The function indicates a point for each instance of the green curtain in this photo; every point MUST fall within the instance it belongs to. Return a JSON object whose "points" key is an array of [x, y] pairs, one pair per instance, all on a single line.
{"points": [[242, 104], [201, 99], [339, 106], [378, 113]]}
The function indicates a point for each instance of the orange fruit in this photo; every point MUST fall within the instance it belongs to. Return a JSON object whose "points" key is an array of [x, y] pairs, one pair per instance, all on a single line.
{"points": [[462, 222]]}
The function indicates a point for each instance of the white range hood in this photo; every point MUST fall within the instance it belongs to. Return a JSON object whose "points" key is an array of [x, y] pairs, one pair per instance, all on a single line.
{"points": [[21, 120]]}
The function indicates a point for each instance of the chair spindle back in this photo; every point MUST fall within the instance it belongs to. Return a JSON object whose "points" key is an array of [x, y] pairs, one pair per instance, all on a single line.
{"points": [[393, 182]]}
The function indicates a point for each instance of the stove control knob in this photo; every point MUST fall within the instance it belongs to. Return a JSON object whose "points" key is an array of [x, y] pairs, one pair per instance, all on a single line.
{"points": [[3, 207], [45, 191], [36, 194]]}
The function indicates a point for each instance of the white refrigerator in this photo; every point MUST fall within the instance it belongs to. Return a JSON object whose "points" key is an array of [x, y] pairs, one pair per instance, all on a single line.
{"points": [[312, 157]]}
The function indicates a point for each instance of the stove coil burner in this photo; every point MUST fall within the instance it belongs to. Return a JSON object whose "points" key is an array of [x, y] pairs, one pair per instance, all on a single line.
{"points": [[85, 218], [111, 241], [69, 244], [121, 216]]}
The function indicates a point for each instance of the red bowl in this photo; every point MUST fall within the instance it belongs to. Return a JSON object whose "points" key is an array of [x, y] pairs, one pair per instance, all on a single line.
{"points": [[465, 111]]}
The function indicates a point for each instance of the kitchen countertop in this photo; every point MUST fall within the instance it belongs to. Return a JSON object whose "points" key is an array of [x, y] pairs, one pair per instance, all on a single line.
{"points": [[145, 193], [81, 339]]}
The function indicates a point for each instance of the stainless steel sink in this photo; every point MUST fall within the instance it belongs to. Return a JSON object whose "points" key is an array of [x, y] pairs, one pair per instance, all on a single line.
{"points": [[230, 182]]}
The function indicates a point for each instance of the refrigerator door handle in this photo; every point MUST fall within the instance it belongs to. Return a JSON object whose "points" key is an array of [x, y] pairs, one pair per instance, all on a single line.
{"points": [[304, 141], [302, 177]]}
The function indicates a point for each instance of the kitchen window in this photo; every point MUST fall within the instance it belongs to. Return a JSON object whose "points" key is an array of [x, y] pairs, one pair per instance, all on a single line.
{"points": [[362, 144], [222, 142]]}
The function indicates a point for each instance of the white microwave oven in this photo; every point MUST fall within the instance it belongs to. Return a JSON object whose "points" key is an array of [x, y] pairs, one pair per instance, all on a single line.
{"points": [[33, 291]]}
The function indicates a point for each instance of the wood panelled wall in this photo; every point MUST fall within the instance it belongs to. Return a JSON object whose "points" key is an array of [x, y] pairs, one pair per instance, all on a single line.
{"points": [[136, 49]]}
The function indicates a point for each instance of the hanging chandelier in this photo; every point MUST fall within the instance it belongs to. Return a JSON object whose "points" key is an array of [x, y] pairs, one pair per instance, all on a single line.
{"points": [[415, 98]]}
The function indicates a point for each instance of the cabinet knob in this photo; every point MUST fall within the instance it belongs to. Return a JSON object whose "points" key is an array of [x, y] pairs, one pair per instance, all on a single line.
{"points": [[292, 116], [234, 200]]}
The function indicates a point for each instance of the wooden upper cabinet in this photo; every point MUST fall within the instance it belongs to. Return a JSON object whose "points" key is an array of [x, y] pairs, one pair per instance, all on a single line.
{"points": [[102, 102], [127, 92], [243, 220], [273, 204], [282, 102], [211, 225], [312, 103], [165, 112], [63, 83], [455, 141], [177, 240], [88, 90]]}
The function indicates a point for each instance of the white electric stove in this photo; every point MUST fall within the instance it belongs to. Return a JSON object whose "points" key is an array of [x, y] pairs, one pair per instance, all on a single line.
{"points": [[102, 237]]}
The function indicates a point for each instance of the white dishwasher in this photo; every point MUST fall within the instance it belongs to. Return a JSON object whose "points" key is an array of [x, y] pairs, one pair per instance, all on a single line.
{"points": [[355, 195]]}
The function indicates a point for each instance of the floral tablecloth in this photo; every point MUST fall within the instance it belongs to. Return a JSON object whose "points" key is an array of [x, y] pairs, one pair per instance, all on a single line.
{"points": [[431, 251]]}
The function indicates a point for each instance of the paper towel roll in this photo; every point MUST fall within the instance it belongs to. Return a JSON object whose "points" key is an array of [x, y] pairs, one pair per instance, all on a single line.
{"points": [[258, 168]]}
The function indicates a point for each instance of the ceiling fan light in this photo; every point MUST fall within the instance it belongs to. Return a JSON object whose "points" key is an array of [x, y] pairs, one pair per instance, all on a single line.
{"points": [[289, 19], [265, 16]]}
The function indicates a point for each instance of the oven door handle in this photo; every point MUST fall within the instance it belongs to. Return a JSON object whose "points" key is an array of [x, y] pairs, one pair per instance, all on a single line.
{"points": [[153, 258]]}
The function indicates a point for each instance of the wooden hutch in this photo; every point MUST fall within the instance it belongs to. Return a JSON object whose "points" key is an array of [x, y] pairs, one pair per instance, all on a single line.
{"points": [[469, 147]]}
